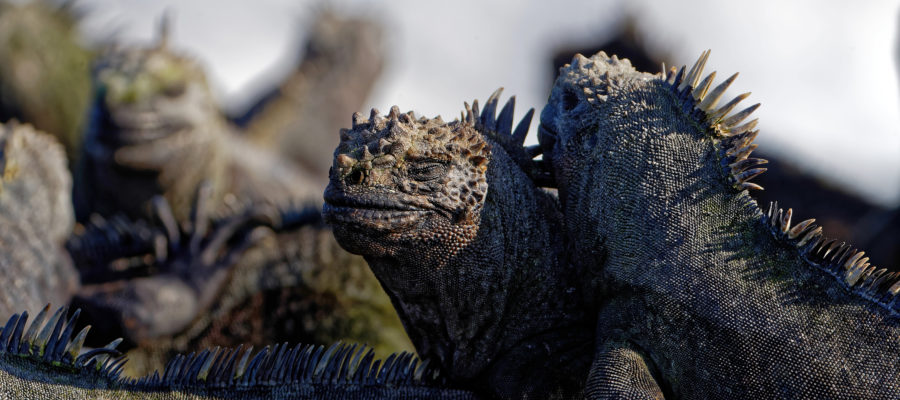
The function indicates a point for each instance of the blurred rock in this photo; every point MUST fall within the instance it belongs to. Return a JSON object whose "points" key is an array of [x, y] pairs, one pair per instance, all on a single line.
{"points": [[44, 70]]}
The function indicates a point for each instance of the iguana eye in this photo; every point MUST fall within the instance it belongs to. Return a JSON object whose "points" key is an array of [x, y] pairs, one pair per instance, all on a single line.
{"points": [[427, 171], [569, 100]]}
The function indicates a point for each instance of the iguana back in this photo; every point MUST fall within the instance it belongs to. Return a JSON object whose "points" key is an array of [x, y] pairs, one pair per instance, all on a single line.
{"points": [[698, 289]]}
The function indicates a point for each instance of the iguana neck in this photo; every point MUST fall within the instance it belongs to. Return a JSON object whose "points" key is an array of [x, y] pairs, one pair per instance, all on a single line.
{"points": [[487, 304]]}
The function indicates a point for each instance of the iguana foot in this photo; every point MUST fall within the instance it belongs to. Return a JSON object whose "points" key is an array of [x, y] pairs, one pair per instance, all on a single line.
{"points": [[192, 273]]}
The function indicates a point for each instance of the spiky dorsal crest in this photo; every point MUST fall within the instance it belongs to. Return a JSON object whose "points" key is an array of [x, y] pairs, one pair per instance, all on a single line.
{"points": [[52, 342], [340, 364], [701, 104], [283, 364], [499, 128], [847, 264], [839, 259]]}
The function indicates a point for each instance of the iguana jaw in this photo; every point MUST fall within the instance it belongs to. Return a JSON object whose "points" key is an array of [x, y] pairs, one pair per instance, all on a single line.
{"points": [[126, 127], [373, 211]]}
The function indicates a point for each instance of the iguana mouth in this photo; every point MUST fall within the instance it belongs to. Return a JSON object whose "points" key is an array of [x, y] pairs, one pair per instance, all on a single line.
{"points": [[369, 209], [546, 137], [129, 127]]}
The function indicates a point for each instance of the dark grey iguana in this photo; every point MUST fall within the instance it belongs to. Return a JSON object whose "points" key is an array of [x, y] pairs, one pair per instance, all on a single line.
{"points": [[700, 293], [35, 218], [468, 248], [47, 360]]}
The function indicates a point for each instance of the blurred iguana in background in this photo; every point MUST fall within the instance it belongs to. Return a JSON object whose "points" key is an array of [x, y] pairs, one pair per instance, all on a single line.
{"points": [[155, 130], [342, 61]]}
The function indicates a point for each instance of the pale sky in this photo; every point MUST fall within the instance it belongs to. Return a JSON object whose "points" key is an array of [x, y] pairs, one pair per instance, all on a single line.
{"points": [[824, 71]]}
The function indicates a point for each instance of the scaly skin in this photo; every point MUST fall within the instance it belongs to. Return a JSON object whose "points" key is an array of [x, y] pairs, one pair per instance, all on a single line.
{"points": [[35, 216], [700, 294], [466, 247]]}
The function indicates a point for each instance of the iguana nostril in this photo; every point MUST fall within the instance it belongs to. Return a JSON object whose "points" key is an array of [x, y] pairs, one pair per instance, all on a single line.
{"points": [[355, 178]]}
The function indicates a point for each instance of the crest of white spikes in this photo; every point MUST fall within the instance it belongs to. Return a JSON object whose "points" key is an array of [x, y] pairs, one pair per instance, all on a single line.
{"points": [[738, 139], [839, 259]]}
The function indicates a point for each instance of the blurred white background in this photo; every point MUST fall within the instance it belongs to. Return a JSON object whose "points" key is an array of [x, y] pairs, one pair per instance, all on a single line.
{"points": [[825, 72]]}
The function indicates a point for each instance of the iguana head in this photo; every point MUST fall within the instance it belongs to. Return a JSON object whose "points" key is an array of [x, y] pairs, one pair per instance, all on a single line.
{"points": [[631, 151], [591, 101], [153, 129], [142, 94], [602, 105], [400, 184], [460, 238]]}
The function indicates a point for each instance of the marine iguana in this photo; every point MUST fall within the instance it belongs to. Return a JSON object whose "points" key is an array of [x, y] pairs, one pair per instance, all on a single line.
{"points": [[700, 293], [191, 275], [47, 361], [467, 247], [293, 285]]}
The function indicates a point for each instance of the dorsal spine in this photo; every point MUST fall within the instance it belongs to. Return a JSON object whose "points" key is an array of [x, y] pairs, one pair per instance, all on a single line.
{"points": [[848, 265]]}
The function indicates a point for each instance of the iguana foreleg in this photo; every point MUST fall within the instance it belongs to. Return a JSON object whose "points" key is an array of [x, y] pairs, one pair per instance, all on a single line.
{"points": [[620, 372]]}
